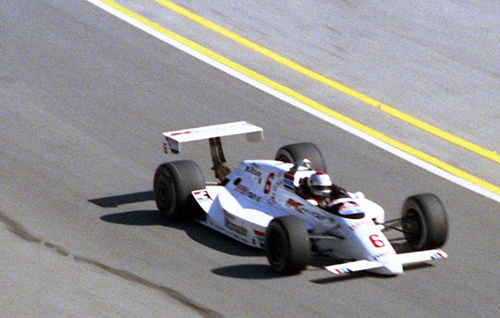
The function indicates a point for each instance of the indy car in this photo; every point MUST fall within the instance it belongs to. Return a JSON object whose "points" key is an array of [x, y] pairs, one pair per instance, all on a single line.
{"points": [[260, 203]]}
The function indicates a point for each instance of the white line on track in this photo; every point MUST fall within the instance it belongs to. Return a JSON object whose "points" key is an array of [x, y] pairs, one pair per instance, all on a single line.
{"points": [[422, 164]]}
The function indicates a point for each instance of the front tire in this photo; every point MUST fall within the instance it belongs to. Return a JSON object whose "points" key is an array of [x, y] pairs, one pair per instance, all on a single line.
{"points": [[287, 245], [304, 150], [425, 223], [172, 185]]}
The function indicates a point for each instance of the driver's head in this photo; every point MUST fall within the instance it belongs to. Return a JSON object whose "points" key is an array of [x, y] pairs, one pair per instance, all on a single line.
{"points": [[320, 184]]}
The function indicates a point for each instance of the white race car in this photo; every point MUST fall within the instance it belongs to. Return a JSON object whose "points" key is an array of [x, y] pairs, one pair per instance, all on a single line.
{"points": [[260, 203]]}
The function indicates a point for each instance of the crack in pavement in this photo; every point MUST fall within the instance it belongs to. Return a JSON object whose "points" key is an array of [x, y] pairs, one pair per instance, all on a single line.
{"points": [[21, 232]]}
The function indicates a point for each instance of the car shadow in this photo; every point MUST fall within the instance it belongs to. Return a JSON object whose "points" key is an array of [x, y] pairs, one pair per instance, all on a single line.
{"points": [[219, 242], [261, 271], [195, 231], [117, 200], [138, 218], [247, 271], [336, 278]]}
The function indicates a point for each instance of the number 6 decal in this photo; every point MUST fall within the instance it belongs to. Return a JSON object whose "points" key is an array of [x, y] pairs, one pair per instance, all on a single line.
{"points": [[376, 241], [269, 183]]}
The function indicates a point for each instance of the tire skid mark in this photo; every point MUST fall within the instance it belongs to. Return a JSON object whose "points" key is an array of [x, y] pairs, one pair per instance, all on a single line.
{"points": [[21, 232]]}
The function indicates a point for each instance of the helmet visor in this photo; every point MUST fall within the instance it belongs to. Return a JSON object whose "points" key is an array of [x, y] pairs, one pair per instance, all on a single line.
{"points": [[322, 187]]}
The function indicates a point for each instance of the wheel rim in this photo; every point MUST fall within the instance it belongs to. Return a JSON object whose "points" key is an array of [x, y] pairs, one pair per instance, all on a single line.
{"points": [[165, 193], [412, 227], [276, 249]]}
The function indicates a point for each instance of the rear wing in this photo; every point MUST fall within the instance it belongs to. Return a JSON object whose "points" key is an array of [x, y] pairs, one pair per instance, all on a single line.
{"points": [[174, 139]]}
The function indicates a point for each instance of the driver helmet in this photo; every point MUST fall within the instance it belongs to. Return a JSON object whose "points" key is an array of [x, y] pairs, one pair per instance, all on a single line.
{"points": [[320, 184]]}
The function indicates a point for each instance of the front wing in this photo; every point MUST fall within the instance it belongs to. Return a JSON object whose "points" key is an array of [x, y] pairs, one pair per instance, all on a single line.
{"points": [[403, 259]]}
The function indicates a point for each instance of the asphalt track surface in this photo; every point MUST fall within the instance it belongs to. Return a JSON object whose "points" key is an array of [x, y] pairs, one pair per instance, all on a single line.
{"points": [[84, 99], [433, 64]]}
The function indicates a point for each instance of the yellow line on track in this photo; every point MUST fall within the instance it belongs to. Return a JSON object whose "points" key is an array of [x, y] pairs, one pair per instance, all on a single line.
{"points": [[305, 100], [491, 155]]}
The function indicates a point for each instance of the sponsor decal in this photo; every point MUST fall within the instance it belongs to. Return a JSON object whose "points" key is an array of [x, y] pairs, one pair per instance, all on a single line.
{"points": [[437, 256], [233, 227], [269, 183], [295, 205], [261, 236], [349, 208], [357, 225], [255, 197], [376, 240], [246, 191], [180, 133], [380, 255], [241, 189], [173, 145], [288, 179], [259, 233], [202, 195], [252, 170]]}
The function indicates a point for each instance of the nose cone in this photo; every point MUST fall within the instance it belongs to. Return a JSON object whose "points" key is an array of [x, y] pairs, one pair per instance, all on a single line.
{"points": [[390, 269], [394, 268]]}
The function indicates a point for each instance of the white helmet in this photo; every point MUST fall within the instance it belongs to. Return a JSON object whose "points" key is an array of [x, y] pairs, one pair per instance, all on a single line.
{"points": [[320, 184]]}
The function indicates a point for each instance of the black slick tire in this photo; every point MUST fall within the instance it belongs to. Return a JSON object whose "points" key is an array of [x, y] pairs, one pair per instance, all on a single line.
{"points": [[425, 223], [304, 150], [287, 245], [172, 185]]}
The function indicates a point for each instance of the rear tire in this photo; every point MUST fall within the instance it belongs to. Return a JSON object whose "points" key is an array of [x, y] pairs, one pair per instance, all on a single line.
{"points": [[425, 223], [173, 183], [304, 150], [287, 245]]}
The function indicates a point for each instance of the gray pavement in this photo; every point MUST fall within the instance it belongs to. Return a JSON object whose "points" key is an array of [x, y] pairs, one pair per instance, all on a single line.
{"points": [[437, 61]]}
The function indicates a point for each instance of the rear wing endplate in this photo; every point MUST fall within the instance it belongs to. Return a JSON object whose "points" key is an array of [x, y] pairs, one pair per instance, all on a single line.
{"points": [[174, 139]]}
